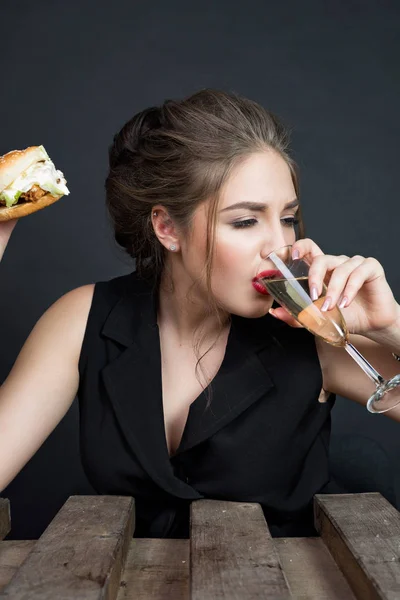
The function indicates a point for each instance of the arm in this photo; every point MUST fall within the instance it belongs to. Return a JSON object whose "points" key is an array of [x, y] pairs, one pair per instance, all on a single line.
{"points": [[342, 375], [6, 229], [359, 287], [43, 382]]}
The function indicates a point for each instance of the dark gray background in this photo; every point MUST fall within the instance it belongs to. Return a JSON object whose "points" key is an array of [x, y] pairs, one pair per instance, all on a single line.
{"points": [[73, 72]]}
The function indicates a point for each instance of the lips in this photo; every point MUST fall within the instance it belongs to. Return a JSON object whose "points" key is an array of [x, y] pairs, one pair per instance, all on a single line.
{"points": [[264, 274], [258, 286]]}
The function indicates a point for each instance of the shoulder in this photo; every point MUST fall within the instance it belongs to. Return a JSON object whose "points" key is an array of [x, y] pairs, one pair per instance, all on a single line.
{"points": [[67, 316], [75, 305], [76, 302], [89, 307], [105, 292], [79, 301], [110, 291]]}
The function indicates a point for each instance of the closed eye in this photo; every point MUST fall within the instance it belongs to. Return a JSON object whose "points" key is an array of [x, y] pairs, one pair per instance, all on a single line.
{"points": [[290, 222]]}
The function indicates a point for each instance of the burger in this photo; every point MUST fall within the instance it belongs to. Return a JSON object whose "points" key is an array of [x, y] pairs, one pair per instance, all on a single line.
{"points": [[29, 182]]}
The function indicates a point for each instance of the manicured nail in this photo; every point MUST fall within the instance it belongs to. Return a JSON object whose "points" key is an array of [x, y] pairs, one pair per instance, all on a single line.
{"points": [[314, 293], [326, 304], [343, 302], [296, 254]]}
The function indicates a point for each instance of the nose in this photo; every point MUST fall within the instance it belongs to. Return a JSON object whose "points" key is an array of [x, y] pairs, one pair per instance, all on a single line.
{"points": [[273, 243]]}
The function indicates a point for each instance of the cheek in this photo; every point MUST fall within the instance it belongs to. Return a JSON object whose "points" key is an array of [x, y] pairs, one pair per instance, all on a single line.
{"points": [[233, 268], [234, 253], [226, 255], [228, 260]]}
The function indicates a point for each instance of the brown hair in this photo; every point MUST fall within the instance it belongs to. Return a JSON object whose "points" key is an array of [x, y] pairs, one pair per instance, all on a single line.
{"points": [[179, 155]]}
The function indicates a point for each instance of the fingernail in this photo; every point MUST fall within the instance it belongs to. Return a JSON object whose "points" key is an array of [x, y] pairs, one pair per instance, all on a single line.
{"points": [[314, 293], [272, 314], [326, 304], [296, 254], [343, 302]]}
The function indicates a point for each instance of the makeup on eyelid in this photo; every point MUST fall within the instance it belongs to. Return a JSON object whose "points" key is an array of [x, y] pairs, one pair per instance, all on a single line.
{"points": [[289, 222]]}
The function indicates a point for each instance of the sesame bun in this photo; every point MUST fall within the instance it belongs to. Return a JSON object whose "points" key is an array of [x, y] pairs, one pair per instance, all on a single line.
{"points": [[22, 209], [12, 165]]}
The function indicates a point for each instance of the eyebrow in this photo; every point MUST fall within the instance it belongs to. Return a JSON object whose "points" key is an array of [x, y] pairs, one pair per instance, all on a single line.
{"points": [[256, 206]]}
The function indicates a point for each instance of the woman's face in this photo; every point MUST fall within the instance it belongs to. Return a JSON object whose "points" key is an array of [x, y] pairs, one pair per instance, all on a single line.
{"points": [[245, 235]]}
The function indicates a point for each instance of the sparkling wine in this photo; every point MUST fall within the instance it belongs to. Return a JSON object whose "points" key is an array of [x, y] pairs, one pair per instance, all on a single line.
{"points": [[287, 282], [294, 295]]}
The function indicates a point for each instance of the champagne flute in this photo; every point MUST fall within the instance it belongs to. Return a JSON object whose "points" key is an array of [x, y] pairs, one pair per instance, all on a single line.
{"points": [[288, 285]]}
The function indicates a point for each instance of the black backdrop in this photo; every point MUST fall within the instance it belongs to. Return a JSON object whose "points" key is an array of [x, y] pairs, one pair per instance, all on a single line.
{"points": [[73, 72]]}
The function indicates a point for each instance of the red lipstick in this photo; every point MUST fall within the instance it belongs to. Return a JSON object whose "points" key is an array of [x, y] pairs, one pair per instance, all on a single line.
{"points": [[259, 286], [270, 274]]}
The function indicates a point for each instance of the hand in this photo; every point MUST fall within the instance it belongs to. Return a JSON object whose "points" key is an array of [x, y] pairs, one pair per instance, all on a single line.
{"points": [[370, 304], [6, 229]]}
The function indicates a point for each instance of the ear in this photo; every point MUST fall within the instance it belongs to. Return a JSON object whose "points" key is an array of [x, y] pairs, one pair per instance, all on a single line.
{"points": [[164, 227]]}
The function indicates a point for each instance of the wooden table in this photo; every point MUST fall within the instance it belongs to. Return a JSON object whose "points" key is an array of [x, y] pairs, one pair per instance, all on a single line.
{"points": [[88, 552]]}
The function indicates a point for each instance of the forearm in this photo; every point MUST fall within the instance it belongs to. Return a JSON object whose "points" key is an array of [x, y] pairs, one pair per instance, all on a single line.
{"points": [[388, 338]]}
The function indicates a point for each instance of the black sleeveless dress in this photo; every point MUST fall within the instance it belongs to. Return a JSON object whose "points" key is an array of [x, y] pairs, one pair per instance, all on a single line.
{"points": [[264, 438]]}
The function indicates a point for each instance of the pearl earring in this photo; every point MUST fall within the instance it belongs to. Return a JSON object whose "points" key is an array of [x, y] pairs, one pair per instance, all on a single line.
{"points": [[172, 247]]}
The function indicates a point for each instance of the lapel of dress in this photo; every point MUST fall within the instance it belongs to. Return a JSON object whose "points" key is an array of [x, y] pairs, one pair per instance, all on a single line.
{"points": [[133, 383], [241, 381]]}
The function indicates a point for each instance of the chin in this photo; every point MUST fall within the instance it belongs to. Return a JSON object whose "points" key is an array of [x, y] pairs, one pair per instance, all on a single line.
{"points": [[251, 306], [254, 312]]}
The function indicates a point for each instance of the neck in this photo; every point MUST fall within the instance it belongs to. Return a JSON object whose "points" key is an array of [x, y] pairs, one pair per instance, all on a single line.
{"points": [[183, 308]]}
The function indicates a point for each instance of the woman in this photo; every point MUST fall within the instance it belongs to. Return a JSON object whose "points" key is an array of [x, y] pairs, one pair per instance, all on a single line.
{"points": [[188, 387]]}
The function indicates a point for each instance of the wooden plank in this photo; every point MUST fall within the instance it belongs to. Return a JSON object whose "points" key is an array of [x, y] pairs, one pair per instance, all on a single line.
{"points": [[12, 555], [362, 532], [310, 570], [156, 569], [80, 555], [232, 553], [5, 518]]}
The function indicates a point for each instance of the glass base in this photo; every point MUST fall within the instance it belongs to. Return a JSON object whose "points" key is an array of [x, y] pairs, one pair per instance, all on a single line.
{"points": [[383, 400]]}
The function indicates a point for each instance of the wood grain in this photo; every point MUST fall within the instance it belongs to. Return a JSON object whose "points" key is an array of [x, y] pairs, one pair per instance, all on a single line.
{"points": [[156, 569], [310, 570], [362, 532], [12, 555], [5, 518], [232, 553], [80, 555]]}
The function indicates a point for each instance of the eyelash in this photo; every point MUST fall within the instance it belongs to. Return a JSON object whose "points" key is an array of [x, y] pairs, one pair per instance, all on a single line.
{"points": [[252, 222]]}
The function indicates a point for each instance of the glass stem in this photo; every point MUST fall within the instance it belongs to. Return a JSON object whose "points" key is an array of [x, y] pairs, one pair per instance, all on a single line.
{"points": [[364, 364]]}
